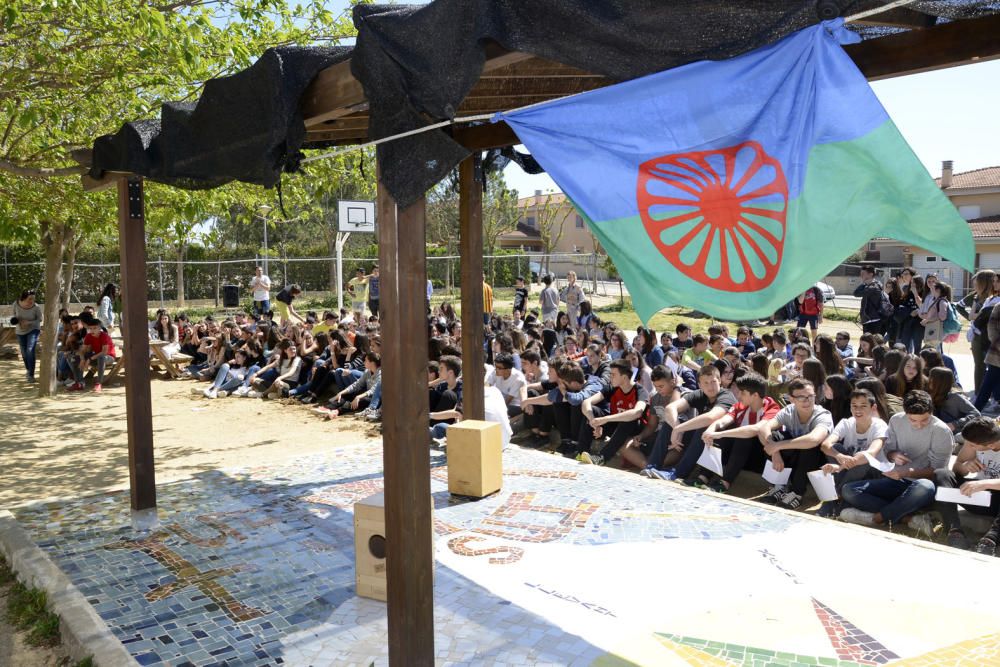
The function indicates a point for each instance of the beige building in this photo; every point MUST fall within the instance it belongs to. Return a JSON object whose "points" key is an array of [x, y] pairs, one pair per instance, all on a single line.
{"points": [[575, 237], [976, 195]]}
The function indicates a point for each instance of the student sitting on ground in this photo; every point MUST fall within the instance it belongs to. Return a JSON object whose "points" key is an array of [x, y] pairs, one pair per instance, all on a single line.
{"points": [[918, 443], [853, 437], [284, 365], [446, 392], [509, 381], [572, 388], [792, 439], [736, 433], [230, 376], [679, 443], [621, 420], [97, 350], [979, 456], [665, 391], [358, 396], [698, 354]]}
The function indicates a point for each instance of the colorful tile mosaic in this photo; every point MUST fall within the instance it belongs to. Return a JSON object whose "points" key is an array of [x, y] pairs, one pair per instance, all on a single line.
{"points": [[567, 565]]}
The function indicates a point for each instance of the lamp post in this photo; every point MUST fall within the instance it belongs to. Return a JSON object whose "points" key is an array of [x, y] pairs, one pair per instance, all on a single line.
{"points": [[264, 209]]}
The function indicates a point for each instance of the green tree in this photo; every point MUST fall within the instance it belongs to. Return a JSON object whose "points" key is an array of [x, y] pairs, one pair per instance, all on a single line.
{"points": [[71, 70], [500, 215]]}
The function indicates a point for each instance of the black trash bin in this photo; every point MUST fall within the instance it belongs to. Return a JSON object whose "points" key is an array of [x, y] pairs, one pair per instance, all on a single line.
{"points": [[231, 296]]}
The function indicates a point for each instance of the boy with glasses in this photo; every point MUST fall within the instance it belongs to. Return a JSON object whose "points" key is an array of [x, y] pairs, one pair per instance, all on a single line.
{"points": [[792, 439], [919, 444]]}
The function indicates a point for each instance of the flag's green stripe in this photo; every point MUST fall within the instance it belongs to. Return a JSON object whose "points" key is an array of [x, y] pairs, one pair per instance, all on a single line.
{"points": [[853, 191]]}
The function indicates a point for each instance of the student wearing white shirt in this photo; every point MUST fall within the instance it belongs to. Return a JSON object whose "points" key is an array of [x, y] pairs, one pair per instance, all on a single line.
{"points": [[261, 286], [861, 433], [979, 456], [509, 381]]}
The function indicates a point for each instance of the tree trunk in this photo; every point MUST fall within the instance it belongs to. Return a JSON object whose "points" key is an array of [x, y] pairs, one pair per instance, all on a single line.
{"points": [[67, 292], [54, 240], [181, 252]]}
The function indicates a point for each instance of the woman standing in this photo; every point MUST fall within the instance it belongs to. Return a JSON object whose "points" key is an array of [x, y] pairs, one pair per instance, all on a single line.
{"points": [[28, 322], [105, 307], [938, 303]]}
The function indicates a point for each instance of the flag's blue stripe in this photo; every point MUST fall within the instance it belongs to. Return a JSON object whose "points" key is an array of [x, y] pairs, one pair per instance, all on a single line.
{"points": [[801, 91]]}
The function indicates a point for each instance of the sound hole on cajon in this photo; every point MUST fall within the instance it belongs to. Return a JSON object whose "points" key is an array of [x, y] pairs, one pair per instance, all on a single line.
{"points": [[376, 546]]}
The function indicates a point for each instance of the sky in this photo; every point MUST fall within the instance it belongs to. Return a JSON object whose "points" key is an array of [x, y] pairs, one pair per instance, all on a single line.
{"points": [[949, 114]]}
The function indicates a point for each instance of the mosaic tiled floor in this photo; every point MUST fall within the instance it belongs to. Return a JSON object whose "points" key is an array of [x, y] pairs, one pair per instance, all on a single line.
{"points": [[568, 565]]}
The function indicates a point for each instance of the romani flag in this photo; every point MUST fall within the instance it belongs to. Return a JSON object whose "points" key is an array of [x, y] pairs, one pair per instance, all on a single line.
{"points": [[732, 186]]}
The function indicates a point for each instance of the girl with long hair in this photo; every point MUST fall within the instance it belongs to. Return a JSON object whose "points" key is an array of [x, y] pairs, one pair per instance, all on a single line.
{"points": [[826, 351], [936, 313], [105, 306], [910, 376], [982, 296], [837, 396], [951, 407]]}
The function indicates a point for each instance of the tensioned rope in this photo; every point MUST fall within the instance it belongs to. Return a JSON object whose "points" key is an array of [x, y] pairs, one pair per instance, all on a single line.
{"points": [[486, 116]]}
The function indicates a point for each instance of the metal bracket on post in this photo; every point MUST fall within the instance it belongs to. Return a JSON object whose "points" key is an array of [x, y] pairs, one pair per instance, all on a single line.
{"points": [[135, 204], [477, 169]]}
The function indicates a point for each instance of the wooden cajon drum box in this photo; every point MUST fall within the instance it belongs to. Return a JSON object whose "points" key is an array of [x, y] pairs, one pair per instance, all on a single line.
{"points": [[369, 547], [475, 465]]}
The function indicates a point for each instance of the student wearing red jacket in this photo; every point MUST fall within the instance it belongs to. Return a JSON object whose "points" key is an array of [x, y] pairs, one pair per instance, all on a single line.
{"points": [[97, 349], [736, 433]]}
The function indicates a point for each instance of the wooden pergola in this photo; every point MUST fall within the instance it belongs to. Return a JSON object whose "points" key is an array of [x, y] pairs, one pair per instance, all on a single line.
{"points": [[336, 111]]}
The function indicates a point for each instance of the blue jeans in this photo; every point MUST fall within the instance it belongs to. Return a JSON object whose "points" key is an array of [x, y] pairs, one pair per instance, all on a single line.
{"points": [[376, 395], [345, 377], [267, 378], [261, 307], [893, 498], [28, 342], [438, 431], [989, 387]]}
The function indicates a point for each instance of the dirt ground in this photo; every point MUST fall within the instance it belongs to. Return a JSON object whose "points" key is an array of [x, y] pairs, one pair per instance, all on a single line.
{"points": [[77, 444], [15, 652]]}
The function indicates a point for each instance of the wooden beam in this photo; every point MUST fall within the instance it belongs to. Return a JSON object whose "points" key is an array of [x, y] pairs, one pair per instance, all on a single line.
{"points": [[106, 182], [486, 136], [471, 232], [948, 45], [335, 92], [405, 435], [138, 403]]}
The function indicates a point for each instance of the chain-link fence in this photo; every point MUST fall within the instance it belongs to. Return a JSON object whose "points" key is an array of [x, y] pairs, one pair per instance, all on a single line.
{"points": [[203, 280]]}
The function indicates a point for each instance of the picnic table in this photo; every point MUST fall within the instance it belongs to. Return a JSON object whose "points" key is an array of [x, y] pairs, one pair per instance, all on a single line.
{"points": [[7, 336], [159, 359]]}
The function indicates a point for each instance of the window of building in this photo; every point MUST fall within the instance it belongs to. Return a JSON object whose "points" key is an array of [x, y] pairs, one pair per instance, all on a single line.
{"points": [[579, 222], [530, 221], [969, 212], [872, 245], [931, 259]]}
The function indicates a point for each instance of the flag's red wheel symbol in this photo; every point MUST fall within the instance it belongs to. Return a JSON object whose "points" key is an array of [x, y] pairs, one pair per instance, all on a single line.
{"points": [[718, 216]]}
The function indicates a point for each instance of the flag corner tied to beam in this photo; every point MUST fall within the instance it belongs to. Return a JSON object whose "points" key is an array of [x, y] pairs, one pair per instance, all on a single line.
{"points": [[732, 186]]}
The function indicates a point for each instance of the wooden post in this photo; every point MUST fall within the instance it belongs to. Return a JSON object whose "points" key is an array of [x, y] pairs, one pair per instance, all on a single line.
{"points": [[405, 435], [138, 404], [471, 222]]}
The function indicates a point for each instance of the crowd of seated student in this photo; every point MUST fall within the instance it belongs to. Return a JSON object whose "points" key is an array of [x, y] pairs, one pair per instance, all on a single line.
{"points": [[803, 403]]}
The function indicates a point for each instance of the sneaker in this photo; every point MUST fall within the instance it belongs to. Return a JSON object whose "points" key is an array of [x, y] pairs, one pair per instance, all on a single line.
{"points": [[718, 486], [957, 539], [222, 393], [98, 388], [696, 481], [209, 393], [772, 496], [790, 500], [649, 471], [76, 386], [374, 415], [197, 391], [668, 475], [241, 391], [69, 383], [307, 399], [987, 545], [30, 378], [592, 459], [829, 509], [854, 515], [253, 394], [922, 524]]}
